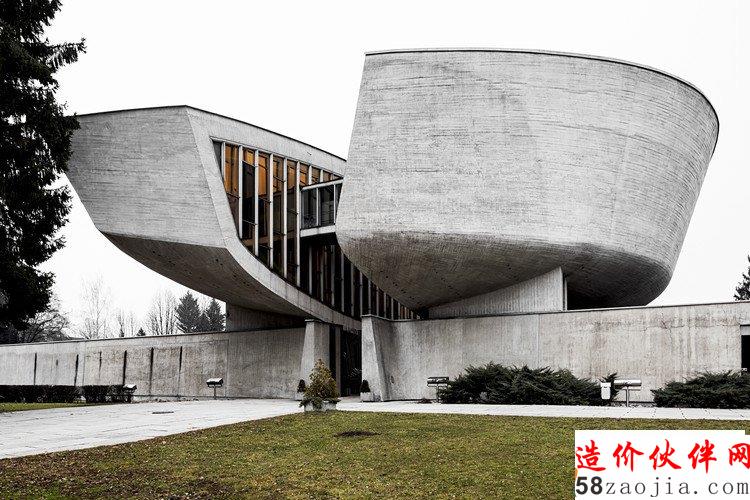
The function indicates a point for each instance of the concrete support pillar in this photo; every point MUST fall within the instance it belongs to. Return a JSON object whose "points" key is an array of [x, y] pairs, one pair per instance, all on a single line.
{"points": [[373, 331], [337, 361], [316, 346]]}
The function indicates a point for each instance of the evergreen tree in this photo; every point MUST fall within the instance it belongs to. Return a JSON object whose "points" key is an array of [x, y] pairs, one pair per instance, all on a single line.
{"points": [[214, 316], [34, 151], [203, 325], [742, 291], [140, 333], [188, 313]]}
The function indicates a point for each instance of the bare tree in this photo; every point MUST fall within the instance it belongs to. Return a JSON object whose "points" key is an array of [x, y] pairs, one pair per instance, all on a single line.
{"points": [[50, 324], [96, 298], [162, 319], [127, 324]]}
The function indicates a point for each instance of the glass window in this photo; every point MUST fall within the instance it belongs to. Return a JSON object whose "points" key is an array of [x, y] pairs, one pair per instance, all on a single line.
{"points": [[314, 175], [248, 196], [217, 152], [278, 174], [309, 201], [231, 169], [262, 174], [278, 253], [325, 176], [326, 205], [303, 174], [291, 174]]}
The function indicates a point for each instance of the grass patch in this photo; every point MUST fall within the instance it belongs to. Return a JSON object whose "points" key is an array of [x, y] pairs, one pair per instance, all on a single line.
{"points": [[299, 456], [36, 406]]}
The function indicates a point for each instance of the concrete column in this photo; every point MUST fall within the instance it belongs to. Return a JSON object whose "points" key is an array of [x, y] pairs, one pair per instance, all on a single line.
{"points": [[373, 330], [316, 346], [337, 361]]}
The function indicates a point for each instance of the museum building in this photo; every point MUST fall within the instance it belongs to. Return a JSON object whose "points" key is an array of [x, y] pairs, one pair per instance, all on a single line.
{"points": [[508, 206]]}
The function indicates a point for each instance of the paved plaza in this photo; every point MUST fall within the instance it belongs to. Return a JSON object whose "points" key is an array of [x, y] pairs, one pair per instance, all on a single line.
{"points": [[42, 431]]}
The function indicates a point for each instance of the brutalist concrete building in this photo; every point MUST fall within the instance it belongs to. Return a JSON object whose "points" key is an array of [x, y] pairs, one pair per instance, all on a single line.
{"points": [[518, 207]]}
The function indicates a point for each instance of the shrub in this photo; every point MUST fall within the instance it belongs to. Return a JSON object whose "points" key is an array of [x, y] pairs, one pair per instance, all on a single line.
{"points": [[322, 386], [38, 393], [61, 394], [707, 390], [365, 386], [301, 385], [498, 384], [104, 393]]}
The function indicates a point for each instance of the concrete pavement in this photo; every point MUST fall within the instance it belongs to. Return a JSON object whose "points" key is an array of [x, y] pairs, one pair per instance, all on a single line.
{"points": [[350, 404], [43, 431]]}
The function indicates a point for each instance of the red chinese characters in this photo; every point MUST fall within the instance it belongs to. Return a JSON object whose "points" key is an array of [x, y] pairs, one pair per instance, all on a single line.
{"points": [[702, 454], [740, 453], [661, 459], [626, 455], [588, 457]]}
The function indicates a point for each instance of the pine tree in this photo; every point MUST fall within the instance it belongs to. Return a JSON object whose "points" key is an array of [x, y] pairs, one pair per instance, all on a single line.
{"points": [[140, 333], [203, 325], [742, 292], [188, 313], [214, 317], [34, 151]]}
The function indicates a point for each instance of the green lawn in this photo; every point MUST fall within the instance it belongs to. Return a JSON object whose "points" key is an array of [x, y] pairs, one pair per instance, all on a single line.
{"points": [[300, 456], [35, 406]]}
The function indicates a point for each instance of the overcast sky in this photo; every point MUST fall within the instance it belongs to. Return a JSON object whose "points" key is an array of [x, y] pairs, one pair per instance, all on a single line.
{"points": [[295, 68]]}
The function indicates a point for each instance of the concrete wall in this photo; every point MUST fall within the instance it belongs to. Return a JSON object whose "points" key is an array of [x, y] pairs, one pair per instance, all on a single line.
{"points": [[655, 344], [474, 170], [264, 364], [542, 293]]}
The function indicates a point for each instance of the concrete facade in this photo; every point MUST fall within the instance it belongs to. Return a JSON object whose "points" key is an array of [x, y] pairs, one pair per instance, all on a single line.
{"points": [[486, 193], [150, 181], [470, 171], [654, 344], [257, 364]]}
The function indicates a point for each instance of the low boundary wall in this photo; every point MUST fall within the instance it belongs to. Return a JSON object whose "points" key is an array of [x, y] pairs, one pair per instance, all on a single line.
{"points": [[253, 364], [655, 344]]}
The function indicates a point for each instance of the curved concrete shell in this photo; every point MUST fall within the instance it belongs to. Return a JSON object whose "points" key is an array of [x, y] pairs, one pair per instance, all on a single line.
{"points": [[151, 183], [473, 170]]}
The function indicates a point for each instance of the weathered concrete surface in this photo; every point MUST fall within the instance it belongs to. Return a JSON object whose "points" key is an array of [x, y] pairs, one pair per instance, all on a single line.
{"points": [[540, 294], [257, 364], [45, 431], [351, 404], [654, 344], [474, 170], [150, 181]]}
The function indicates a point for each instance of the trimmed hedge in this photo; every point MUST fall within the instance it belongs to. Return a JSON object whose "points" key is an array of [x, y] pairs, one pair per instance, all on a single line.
{"points": [[496, 384], [105, 394], [62, 393], [38, 393], [707, 390]]}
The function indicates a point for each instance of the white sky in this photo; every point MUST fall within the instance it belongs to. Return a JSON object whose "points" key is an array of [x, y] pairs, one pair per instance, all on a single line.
{"points": [[295, 67]]}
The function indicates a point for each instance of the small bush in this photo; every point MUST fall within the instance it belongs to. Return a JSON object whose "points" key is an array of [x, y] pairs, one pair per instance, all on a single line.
{"points": [[496, 384], [322, 386], [105, 393], [707, 390], [38, 393], [364, 387], [301, 385]]}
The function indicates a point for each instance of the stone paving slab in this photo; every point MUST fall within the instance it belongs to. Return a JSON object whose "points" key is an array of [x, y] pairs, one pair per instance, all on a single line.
{"points": [[57, 429], [351, 404]]}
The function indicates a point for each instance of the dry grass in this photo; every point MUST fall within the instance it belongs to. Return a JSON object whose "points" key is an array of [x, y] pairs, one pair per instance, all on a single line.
{"points": [[300, 456]]}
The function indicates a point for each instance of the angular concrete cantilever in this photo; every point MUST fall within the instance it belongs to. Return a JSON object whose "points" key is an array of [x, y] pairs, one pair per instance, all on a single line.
{"points": [[150, 181]]}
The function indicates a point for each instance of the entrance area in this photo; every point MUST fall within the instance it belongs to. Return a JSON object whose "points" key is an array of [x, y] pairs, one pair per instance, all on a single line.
{"points": [[346, 356], [745, 348]]}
